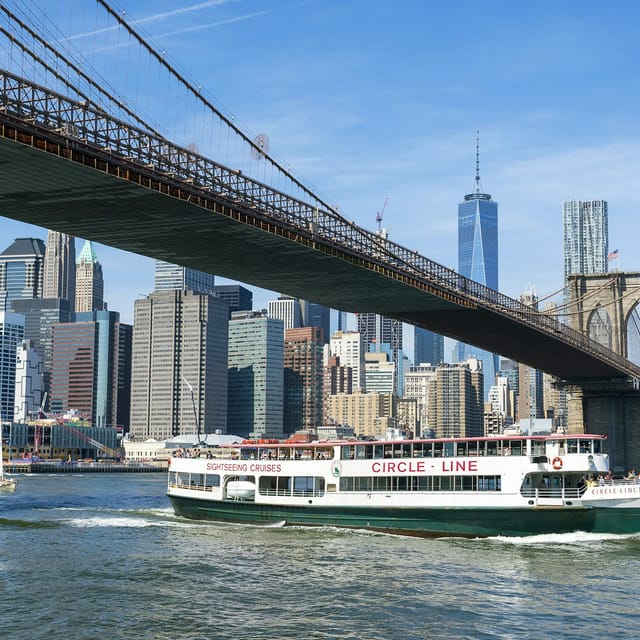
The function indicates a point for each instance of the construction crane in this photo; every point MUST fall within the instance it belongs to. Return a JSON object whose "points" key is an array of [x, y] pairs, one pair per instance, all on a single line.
{"points": [[379, 215]]}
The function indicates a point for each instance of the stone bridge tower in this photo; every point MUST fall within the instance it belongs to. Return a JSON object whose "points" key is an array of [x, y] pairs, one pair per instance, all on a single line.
{"points": [[601, 306]]}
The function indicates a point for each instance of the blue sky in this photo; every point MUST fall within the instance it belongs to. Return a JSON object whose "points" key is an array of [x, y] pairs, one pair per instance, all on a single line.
{"points": [[380, 99]]}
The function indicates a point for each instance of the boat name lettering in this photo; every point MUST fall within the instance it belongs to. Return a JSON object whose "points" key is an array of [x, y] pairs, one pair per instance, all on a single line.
{"points": [[608, 491], [227, 466], [411, 466], [265, 467], [459, 465]]}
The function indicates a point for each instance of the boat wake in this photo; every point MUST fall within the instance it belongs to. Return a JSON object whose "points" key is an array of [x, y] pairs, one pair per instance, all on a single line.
{"points": [[573, 538]]}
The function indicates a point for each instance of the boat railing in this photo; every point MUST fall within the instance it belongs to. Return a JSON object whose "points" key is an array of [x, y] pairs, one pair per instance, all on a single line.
{"points": [[552, 492], [287, 492]]}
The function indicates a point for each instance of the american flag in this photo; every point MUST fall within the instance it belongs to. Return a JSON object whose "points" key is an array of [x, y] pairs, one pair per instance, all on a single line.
{"points": [[613, 255]]}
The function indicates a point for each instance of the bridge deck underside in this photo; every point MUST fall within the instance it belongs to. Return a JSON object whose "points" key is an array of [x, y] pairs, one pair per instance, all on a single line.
{"points": [[46, 190]]}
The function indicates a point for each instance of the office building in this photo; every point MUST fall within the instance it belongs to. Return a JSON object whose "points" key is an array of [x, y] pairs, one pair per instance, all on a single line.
{"points": [[302, 378], [586, 236], [256, 375], [416, 385], [379, 373], [347, 345], [89, 281], [368, 414], [85, 365], [11, 335], [169, 276], [179, 365], [59, 279], [237, 297], [336, 379], [21, 271], [478, 257], [456, 400], [29, 383], [287, 309], [380, 333], [317, 315], [428, 347], [39, 317]]}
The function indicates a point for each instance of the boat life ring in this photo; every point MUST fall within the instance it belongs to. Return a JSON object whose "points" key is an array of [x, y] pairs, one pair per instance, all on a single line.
{"points": [[556, 463]]}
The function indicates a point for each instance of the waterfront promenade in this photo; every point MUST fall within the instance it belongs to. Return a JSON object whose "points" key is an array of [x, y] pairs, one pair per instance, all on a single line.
{"points": [[56, 466]]}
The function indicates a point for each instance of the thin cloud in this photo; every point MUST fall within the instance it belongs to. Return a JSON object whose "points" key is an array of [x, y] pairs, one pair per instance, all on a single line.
{"points": [[210, 25], [154, 18]]}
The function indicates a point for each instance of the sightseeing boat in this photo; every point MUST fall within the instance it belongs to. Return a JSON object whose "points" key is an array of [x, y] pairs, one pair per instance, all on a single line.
{"points": [[508, 485]]}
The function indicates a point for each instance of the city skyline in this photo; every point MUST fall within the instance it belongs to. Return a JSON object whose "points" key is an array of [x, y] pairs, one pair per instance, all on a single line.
{"points": [[398, 125]]}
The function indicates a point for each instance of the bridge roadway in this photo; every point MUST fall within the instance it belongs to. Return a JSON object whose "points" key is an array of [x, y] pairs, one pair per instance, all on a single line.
{"points": [[67, 168]]}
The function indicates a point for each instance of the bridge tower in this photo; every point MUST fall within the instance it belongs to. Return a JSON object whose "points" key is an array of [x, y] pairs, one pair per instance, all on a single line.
{"points": [[602, 306]]}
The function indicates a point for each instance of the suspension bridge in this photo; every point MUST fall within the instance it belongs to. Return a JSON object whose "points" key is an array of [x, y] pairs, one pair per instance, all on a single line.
{"points": [[79, 154]]}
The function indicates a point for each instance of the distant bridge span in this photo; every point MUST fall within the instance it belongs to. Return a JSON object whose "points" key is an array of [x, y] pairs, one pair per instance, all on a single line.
{"points": [[70, 168]]}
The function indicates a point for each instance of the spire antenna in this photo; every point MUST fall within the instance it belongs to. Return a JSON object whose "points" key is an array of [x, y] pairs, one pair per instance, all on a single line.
{"points": [[478, 161]]}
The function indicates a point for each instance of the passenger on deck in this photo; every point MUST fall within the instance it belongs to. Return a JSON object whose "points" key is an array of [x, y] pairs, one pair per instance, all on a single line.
{"points": [[631, 475]]}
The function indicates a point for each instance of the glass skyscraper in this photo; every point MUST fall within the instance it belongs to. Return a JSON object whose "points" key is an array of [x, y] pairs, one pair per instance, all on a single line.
{"points": [[586, 236], [478, 257], [21, 271], [169, 276]]}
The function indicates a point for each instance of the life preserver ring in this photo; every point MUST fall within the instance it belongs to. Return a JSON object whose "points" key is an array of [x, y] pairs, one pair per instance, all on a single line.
{"points": [[556, 463]]}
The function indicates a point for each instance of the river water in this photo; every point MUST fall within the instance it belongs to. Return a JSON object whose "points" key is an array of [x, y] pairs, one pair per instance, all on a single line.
{"points": [[103, 556]]}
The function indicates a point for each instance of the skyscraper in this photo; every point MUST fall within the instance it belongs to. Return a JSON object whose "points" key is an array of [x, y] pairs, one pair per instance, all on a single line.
{"points": [[89, 281], [85, 367], [39, 317], [382, 334], [586, 236], [179, 370], [238, 298], [29, 387], [21, 271], [172, 276], [256, 375], [59, 280], [11, 335], [287, 309], [428, 347], [478, 257], [317, 315], [347, 345], [302, 378], [456, 400]]}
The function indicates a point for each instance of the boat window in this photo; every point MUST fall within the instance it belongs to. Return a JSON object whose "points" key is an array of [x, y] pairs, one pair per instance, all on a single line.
{"points": [[382, 483], [427, 449], [284, 453], [492, 447], [537, 448], [361, 451], [597, 446], [473, 448], [418, 449], [449, 448], [572, 446], [363, 484], [437, 449], [462, 449], [212, 480], [585, 446], [517, 448], [445, 483], [378, 451], [347, 452]]}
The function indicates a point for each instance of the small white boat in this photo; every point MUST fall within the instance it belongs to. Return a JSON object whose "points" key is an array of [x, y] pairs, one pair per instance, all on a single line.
{"points": [[6, 483]]}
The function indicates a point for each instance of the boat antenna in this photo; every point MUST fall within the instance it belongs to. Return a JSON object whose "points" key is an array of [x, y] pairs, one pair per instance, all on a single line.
{"points": [[195, 413]]}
